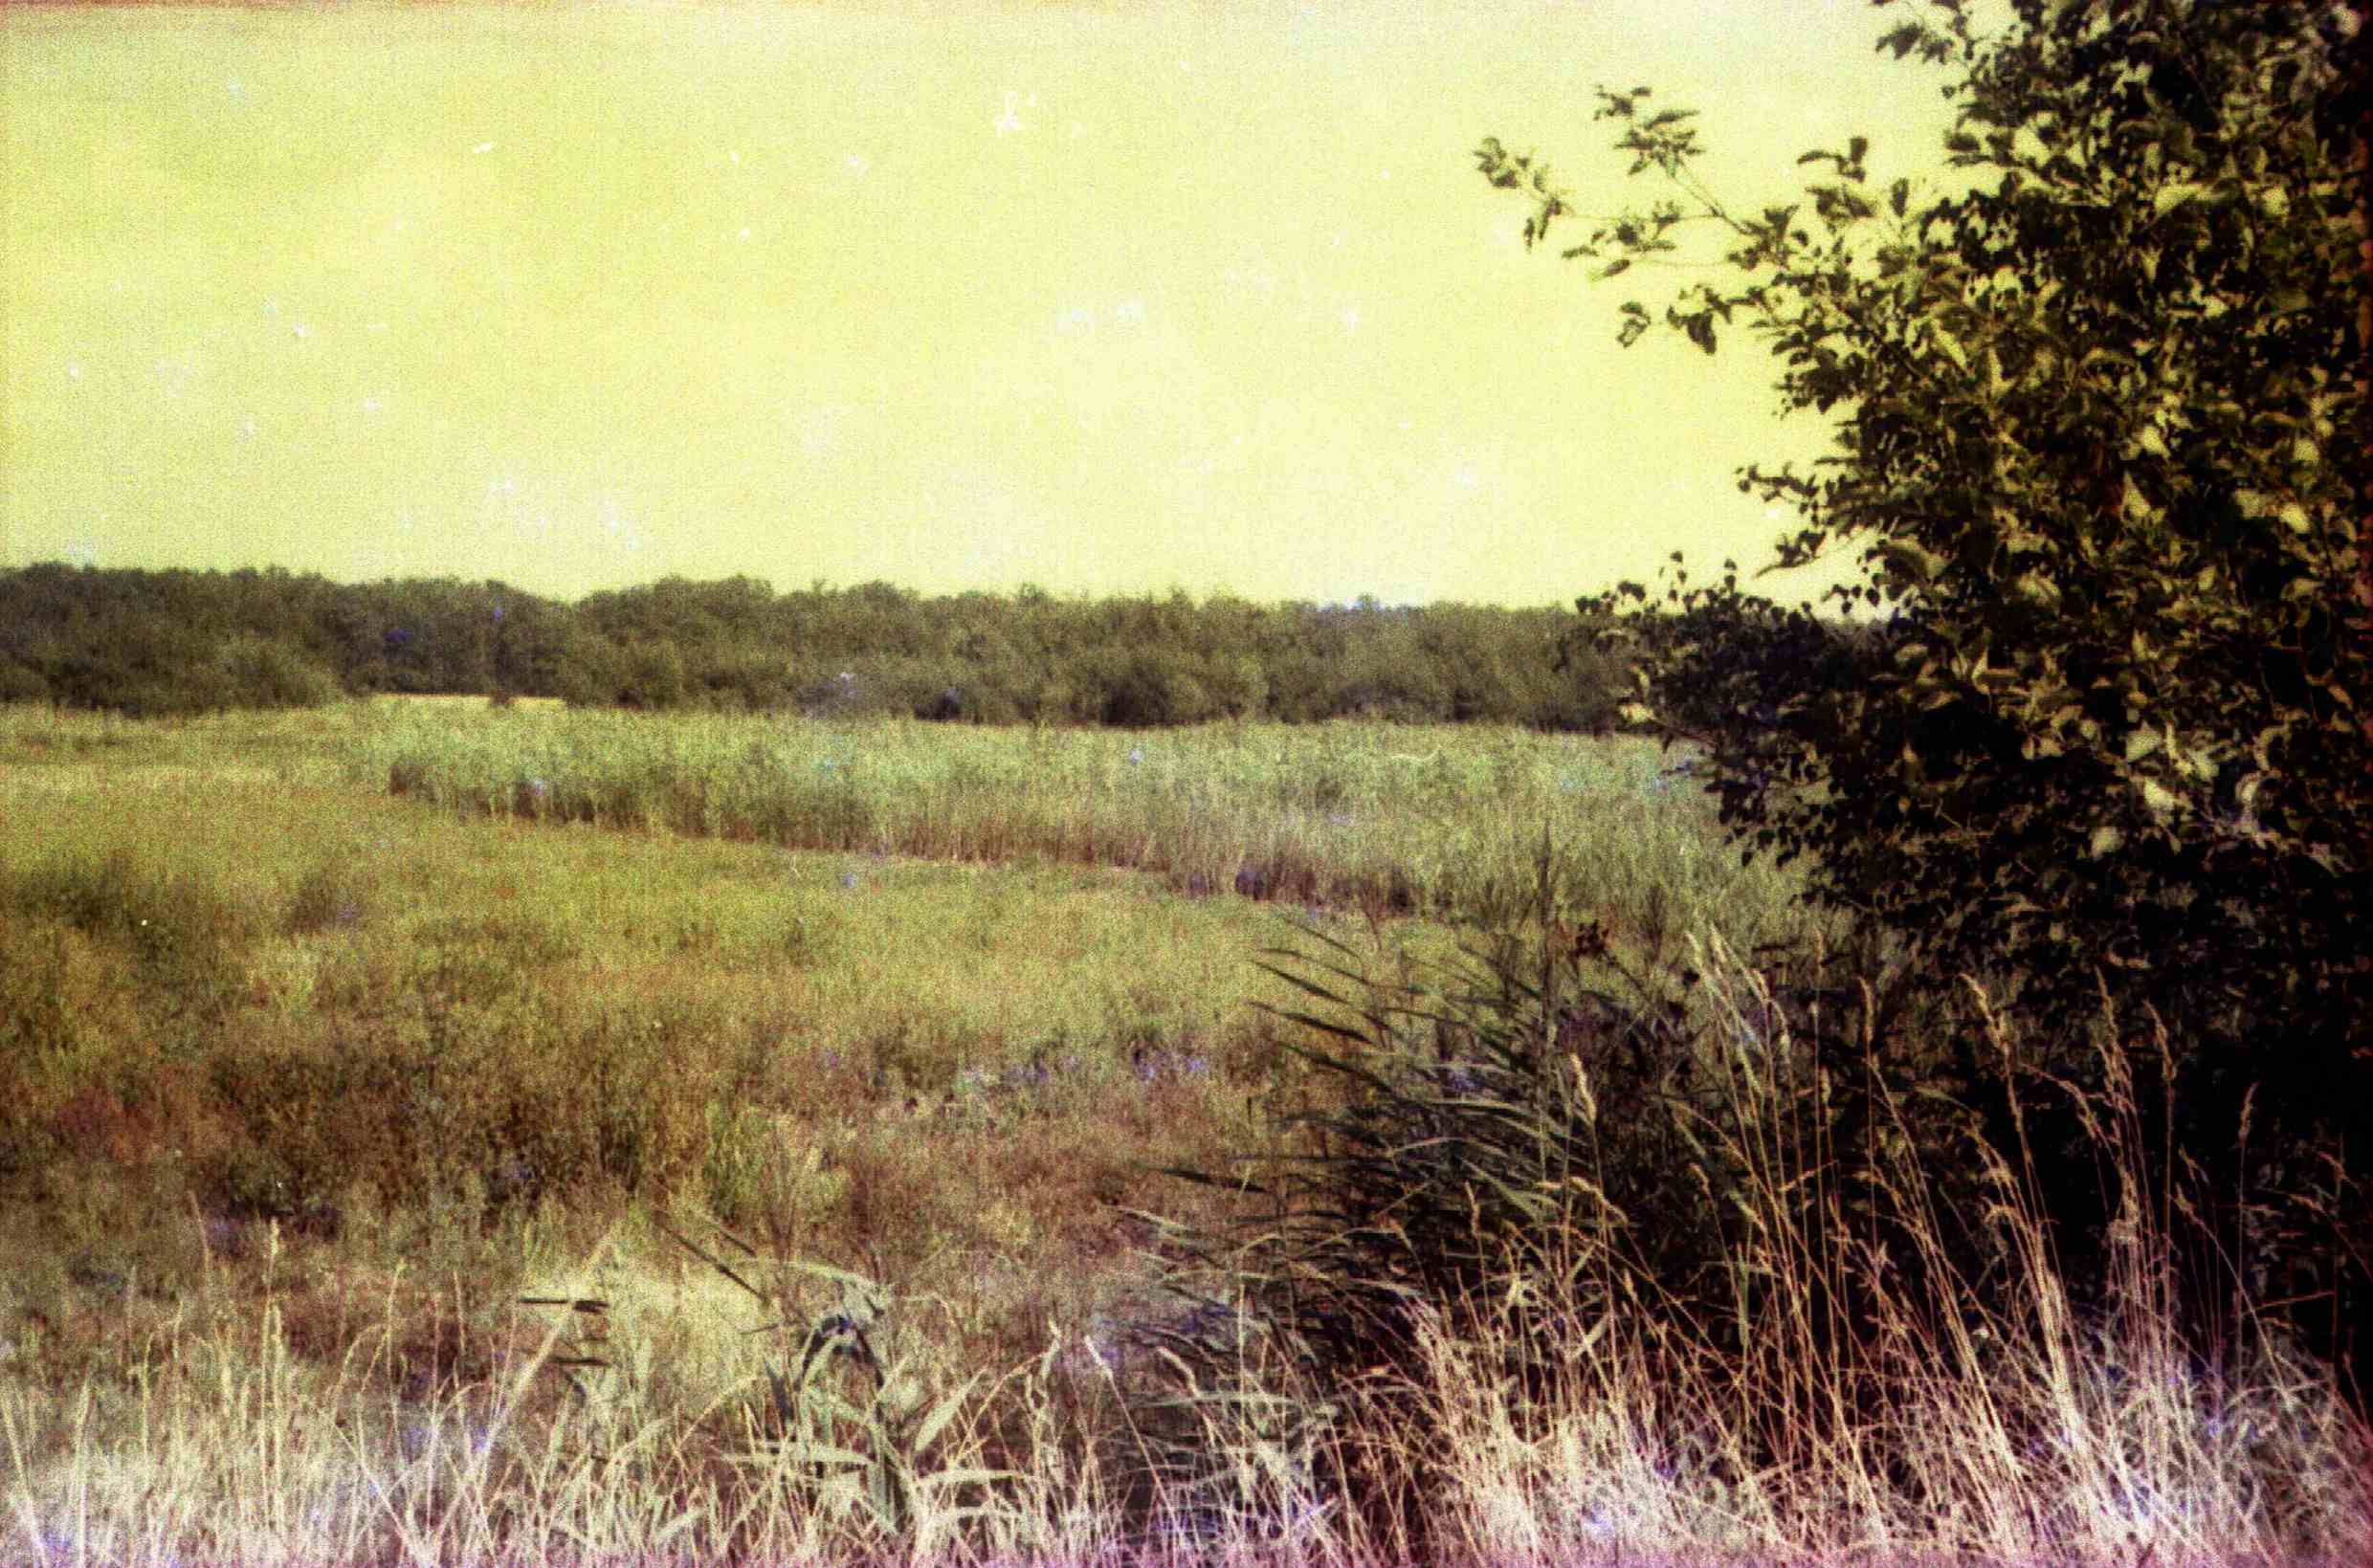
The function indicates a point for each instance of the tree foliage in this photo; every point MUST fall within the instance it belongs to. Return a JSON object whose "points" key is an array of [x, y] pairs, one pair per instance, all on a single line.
{"points": [[177, 642], [2098, 442]]}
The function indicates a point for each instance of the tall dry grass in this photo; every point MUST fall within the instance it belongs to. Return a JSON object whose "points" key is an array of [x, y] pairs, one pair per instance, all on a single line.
{"points": [[2012, 1431]]}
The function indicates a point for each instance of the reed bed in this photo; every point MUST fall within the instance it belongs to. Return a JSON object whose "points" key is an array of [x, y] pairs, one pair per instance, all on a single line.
{"points": [[1441, 822]]}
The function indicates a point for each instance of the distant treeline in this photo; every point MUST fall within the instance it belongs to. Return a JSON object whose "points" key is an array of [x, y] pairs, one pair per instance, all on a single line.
{"points": [[160, 643]]}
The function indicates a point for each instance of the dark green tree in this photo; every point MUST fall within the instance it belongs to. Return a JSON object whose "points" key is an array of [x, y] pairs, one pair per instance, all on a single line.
{"points": [[2099, 442]]}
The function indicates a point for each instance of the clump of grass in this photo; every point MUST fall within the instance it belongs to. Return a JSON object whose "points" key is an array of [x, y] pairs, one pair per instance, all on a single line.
{"points": [[1546, 1218], [865, 1455], [334, 896]]}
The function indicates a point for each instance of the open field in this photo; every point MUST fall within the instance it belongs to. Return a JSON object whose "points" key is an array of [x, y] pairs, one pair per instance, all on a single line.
{"points": [[306, 1080]]}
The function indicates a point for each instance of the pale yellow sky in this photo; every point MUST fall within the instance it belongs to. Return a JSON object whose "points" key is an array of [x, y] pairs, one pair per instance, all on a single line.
{"points": [[960, 295]]}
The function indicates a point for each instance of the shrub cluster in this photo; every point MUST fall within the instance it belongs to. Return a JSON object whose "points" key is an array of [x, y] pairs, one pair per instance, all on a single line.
{"points": [[168, 643]]}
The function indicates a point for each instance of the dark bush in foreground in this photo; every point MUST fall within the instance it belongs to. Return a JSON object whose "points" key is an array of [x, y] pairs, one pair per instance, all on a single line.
{"points": [[1758, 1177], [2100, 443]]}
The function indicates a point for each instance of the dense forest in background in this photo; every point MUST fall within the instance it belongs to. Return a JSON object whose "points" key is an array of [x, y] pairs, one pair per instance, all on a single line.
{"points": [[164, 643]]}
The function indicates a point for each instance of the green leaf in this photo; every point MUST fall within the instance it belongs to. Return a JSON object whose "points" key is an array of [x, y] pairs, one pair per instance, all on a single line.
{"points": [[1912, 559], [941, 1413], [1901, 39]]}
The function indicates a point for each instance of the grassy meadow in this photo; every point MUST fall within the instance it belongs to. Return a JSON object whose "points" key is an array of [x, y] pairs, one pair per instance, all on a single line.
{"points": [[436, 1133], [1384, 820]]}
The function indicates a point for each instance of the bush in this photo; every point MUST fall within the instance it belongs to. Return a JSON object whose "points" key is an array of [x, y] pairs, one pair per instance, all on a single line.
{"points": [[651, 676], [21, 683], [1755, 1186], [1149, 690], [261, 673], [2095, 442], [1602, 1126]]}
